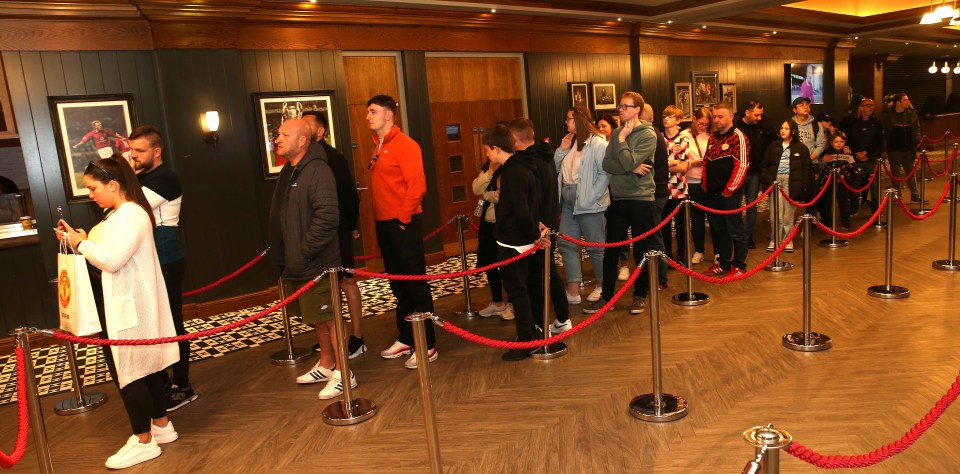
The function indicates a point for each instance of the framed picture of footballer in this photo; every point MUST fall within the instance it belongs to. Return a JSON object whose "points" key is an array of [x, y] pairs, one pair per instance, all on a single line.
{"points": [[728, 93], [706, 88], [88, 128], [273, 108], [683, 99]]}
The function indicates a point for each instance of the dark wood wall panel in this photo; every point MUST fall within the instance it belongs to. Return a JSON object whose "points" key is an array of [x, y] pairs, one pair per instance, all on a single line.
{"points": [[911, 76], [32, 77], [547, 78]]}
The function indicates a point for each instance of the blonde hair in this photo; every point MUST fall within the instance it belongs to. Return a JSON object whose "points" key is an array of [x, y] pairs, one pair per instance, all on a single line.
{"points": [[672, 111]]}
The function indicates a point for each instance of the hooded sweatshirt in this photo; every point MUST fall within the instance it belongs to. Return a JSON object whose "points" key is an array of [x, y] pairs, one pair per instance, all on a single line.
{"points": [[815, 144], [622, 157]]}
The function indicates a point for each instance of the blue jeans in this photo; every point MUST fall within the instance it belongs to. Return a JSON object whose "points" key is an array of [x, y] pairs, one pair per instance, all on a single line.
{"points": [[590, 227]]}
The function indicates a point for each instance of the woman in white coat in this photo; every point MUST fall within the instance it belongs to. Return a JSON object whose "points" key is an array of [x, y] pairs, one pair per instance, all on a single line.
{"points": [[123, 260]]}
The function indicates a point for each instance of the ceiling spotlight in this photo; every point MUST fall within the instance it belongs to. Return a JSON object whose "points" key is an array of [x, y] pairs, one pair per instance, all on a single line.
{"points": [[944, 12], [933, 68], [946, 68], [703, 26], [774, 32], [956, 70], [619, 19], [856, 37], [669, 22], [493, 10], [930, 18], [906, 43]]}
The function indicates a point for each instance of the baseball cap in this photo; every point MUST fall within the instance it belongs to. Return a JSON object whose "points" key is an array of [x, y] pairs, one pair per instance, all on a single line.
{"points": [[825, 118], [797, 101]]}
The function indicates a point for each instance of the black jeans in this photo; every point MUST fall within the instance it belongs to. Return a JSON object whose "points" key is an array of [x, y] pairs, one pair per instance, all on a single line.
{"points": [[173, 278], [697, 218], [403, 254], [681, 221], [727, 230], [515, 277], [558, 294], [639, 217], [487, 254], [825, 205]]}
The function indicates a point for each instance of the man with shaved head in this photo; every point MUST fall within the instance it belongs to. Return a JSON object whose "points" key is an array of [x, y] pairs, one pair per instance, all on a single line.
{"points": [[304, 218]]}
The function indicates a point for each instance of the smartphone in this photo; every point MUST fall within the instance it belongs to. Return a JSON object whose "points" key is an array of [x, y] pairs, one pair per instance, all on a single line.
{"points": [[60, 212]]}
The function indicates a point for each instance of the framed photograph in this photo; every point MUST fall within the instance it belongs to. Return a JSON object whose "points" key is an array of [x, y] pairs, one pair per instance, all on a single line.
{"points": [[604, 96], [804, 80], [272, 108], [88, 128], [706, 88], [579, 94], [728, 93], [8, 127], [683, 98]]}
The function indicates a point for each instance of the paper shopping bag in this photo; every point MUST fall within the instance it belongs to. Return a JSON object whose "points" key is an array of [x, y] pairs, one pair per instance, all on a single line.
{"points": [[78, 310]]}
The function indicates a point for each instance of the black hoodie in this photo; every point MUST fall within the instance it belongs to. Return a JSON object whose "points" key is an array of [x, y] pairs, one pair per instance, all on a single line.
{"points": [[541, 157], [518, 207]]}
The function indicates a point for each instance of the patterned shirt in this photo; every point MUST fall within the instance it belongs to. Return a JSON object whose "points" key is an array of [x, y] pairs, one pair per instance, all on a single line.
{"points": [[677, 148]]}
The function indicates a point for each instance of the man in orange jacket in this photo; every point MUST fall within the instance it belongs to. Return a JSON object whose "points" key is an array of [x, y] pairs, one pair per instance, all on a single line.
{"points": [[397, 183]]}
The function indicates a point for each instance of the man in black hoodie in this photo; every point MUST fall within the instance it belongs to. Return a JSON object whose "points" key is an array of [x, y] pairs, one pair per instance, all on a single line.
{"points": [[517, 228], [865, 139], [759, 136], [540, 157]]}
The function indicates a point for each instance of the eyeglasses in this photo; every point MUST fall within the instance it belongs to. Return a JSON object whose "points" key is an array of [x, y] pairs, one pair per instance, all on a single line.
{"points": [[95, 165], [625, 106], [373, 161]]}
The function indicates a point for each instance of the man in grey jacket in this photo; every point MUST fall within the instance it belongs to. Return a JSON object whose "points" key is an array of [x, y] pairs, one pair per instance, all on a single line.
{"points": [[901, 134], [304, 219]]}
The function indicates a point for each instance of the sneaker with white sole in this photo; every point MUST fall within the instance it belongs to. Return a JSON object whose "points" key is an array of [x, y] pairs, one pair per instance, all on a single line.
{"points": [[411, 363], [624, 273], [493, 309], [595, 294], [557, 327], [789, 246], [771, 246], [355, 347], [178, 396], [396, 350], [164, 435], [133, 453], [697, 257], [507, 314], [334, 387], [595, 306], [573, 299], [318, 373]]}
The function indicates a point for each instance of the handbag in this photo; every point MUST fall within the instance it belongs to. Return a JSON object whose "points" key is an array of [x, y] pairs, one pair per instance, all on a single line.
{"points": [[78, 309]]}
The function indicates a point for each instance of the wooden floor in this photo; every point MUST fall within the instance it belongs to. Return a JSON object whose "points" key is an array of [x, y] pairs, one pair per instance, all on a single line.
{"points": [[891, 361]]}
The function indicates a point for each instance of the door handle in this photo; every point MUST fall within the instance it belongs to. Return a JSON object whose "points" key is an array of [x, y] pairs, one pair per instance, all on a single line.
{"points": [[353, 145]]}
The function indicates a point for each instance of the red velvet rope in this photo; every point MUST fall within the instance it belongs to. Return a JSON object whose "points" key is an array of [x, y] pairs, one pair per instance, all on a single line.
{"points": [[861, 229], [734, 211], [185, 337], [864, 460], [638, 238], [23, 422], [946, 168], [826, 185], [444, 276], [946, 190], [873, 176], [496, 343], [937, 140], [473, 226], [742, 276], [425, 238], [916, 166], [228, 277]]}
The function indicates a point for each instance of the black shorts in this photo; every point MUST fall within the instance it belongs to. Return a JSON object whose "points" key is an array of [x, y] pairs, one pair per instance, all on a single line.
{"points": [[346, 252]]}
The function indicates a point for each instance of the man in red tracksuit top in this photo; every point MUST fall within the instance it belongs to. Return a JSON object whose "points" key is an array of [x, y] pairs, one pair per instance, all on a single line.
{"points": [[725, 169], [101, 139]]}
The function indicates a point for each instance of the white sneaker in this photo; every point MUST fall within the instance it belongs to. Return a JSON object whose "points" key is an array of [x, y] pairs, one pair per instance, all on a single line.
{"points": [[789, 246], [396, 350], [595, 294], [507, 314], [411, 363], [573, 299], [493, 309], [133, 453], [697, 257], [624, 274], [164, 435], [772, 246], [716, 259], [557, 327], [318, 373], [334, 387]]}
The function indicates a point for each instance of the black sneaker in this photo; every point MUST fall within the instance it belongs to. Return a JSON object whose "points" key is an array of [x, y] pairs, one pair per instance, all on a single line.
{"points": [[514, 355], [315, 348], [180, 396], [355, 348], [751, 244]]}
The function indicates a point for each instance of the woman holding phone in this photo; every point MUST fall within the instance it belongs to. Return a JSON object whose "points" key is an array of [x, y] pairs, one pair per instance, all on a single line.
{"points": [[132, 303]]}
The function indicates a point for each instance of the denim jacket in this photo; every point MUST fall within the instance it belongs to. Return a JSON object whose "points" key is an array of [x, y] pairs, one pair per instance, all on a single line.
{"points": [[592, 193]]}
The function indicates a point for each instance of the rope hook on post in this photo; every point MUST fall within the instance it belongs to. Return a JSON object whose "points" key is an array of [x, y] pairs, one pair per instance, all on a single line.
{"points": [[557, 349], [951, 263], [922, 210], [776, 265], [348, 410], [426, 392], [80, 401], [467, 311], [807, 340], [888, 290], [833, 242], [291, 355], [690, 297], [33, 401], [657, 407], [767, 442]]}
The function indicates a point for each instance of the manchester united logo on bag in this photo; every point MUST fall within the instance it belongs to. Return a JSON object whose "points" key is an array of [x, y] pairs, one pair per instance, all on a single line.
{"points": [[64, 289]]}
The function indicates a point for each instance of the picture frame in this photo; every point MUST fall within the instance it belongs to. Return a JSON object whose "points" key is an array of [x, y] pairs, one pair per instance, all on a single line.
{"points": [[728, 93], [804, 80], [8, 126], [79, 138], [706, 88], [579, 93], [603, 96], [272, 108], [683, 99]]}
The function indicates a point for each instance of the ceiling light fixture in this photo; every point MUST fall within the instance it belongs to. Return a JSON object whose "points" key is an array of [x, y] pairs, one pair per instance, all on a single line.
{"points": [[493, 10], [946, 68], [856, 37], [703, 26], [669, 22], [774, 32], [619, 19], [956, 70], [933, 68]]}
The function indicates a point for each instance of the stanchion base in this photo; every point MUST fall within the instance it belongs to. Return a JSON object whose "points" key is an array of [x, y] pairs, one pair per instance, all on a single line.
{"points": [[69, 406], [946, 264], [336, 413], [557, 349], [879, 225], [285, 358], [778, 267], [672, 407], [888, 292], [921, 211], [466, 312], [834, 243], [818, 342], [586, 283], [690, 299]]}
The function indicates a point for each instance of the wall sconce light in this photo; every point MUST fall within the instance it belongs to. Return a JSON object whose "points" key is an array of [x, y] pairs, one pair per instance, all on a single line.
{"points": [[211, 121]]}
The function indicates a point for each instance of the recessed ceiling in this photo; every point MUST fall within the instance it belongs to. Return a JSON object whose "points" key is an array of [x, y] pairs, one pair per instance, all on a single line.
{"points": [[859, 8]]}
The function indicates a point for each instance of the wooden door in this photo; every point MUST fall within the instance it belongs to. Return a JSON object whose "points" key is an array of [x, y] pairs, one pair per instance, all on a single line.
{"points": [[366, 77]]}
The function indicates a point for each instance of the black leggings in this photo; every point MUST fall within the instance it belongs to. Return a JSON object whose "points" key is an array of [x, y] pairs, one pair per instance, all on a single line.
{"points": [[173, 278]]}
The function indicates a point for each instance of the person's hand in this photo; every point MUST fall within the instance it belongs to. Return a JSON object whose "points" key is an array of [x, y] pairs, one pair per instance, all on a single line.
{"points": [[696, 163], [827, 159], [544, 231], [627, 129], [494, 165], [356, 234], [643, 169], [75, 236], [846, 150], [567, 141], [814, 157]]}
